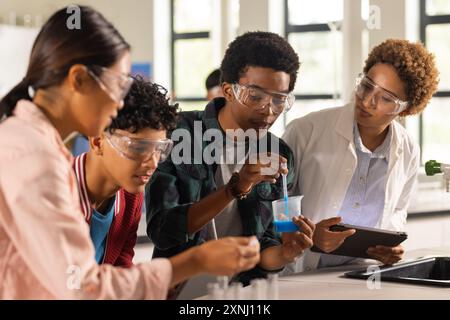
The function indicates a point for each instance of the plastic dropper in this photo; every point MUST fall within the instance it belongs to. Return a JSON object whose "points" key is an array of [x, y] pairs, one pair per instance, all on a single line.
{"points": [[285, 192]]}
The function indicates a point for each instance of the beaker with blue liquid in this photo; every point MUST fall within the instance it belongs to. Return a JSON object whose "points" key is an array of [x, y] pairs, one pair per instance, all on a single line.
{"points": [[284, 210]]}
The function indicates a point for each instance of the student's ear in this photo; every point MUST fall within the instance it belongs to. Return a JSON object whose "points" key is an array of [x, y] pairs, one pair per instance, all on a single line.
{"points": [[96, 144], [78, 78], [227, 91]]}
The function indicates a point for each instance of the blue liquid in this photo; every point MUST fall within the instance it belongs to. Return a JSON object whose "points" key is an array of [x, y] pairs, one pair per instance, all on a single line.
{"points": [[286, 226]]}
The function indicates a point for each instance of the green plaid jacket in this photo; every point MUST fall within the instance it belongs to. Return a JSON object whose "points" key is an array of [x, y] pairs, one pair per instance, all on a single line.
{"points": [[174, 188]]}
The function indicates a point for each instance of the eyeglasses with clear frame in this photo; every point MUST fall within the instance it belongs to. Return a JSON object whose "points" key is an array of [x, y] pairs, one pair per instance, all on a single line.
{"points": [[381, 98], [138, 149], [258, 99], [115, 85]]}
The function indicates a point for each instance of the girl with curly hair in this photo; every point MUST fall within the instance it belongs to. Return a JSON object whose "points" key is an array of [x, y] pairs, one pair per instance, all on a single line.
{"points": [[356, 164]]}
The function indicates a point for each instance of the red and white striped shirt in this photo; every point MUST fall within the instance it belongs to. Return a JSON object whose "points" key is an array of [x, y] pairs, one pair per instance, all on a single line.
{"points": [[119, 250]]}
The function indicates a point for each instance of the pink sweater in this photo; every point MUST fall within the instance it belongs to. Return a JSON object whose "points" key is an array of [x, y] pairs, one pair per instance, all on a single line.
{"points": [[45, 247]]}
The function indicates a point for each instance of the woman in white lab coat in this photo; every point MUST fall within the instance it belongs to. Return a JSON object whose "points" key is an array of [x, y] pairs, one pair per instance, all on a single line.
{"points": [[356, 164]]}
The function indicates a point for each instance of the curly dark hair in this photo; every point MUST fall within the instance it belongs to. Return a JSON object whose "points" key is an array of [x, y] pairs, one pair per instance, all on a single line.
{"points": [[146, 106], [415, 66], [259, 49]]}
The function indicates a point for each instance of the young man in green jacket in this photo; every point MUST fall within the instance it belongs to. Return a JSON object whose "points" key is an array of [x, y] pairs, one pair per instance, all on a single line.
{"points": [[199, 194]]}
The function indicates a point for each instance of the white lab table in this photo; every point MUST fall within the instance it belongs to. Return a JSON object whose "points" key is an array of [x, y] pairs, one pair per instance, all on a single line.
{"points": [[330, 283]]}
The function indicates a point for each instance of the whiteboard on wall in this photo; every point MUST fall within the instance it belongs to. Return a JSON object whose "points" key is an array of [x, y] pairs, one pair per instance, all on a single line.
{"points": [[15, 48]]}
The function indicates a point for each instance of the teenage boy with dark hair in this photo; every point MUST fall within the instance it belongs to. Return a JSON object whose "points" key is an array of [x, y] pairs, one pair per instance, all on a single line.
{"points": [[189, 203], [111, 179]]}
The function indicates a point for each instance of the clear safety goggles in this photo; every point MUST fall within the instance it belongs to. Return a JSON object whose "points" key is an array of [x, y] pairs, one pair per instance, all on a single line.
{"points": [[258, 99], [142, 150], [380, 98], [114, 84]]}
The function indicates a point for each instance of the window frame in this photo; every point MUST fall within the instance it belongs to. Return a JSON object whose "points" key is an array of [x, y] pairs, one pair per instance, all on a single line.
{"points": [[295, 28], [313, 27], [175, 36], [425, 21]]}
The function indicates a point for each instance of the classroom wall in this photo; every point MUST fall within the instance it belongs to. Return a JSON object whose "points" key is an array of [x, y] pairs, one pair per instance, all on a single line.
{"points": [[144, 23], [133, 18]]}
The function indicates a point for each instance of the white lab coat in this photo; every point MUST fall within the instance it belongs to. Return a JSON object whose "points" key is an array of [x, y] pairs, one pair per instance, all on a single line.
{"points": [[325, 160]]}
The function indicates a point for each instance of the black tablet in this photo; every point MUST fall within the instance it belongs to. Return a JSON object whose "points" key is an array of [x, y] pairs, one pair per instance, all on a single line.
{"points": [[357, 244]]}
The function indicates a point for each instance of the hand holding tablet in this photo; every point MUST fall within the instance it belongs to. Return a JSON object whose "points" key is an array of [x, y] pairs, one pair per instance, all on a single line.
{"points": [[357, 244]]}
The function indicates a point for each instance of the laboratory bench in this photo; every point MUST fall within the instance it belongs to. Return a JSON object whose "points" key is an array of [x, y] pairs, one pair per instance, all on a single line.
{"points": [[331, 284]]}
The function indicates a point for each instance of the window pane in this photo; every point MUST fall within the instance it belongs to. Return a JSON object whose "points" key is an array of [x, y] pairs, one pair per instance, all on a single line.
{"points": [[193, 63], [317, 11], [321, 56], [438, 41], [437, 130], [437, 7], [187, 18], [235, 7]]}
